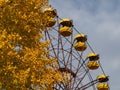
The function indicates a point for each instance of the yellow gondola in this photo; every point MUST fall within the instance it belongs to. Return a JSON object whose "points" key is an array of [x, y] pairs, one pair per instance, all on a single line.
{"points": [[50, 22], [80, 46], [50, 12], [81, 37], [65, 31], [102, 78], [102, 86], [66, 22], [92, 65], [93, 56]]}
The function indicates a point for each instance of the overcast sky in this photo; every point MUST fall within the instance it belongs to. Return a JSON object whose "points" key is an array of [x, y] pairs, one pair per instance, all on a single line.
{"points": [[100, 20]]}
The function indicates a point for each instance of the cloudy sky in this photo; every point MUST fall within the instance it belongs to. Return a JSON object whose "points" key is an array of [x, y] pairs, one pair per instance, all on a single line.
{"points": [[100, 20]]}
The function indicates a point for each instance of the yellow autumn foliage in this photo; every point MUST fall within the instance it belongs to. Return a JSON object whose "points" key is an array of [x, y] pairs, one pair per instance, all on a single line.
{"points": [[23, 58]]}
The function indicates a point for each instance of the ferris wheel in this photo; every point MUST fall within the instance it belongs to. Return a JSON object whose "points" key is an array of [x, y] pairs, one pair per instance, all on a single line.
{"points": [[76, 58]]}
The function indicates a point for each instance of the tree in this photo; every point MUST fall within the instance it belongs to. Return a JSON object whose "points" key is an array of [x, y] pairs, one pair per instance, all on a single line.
{"points": [[23, 57]]}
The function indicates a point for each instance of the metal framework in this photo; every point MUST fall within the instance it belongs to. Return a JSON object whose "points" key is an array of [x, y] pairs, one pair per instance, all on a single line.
{"points": [[71, 62]]}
